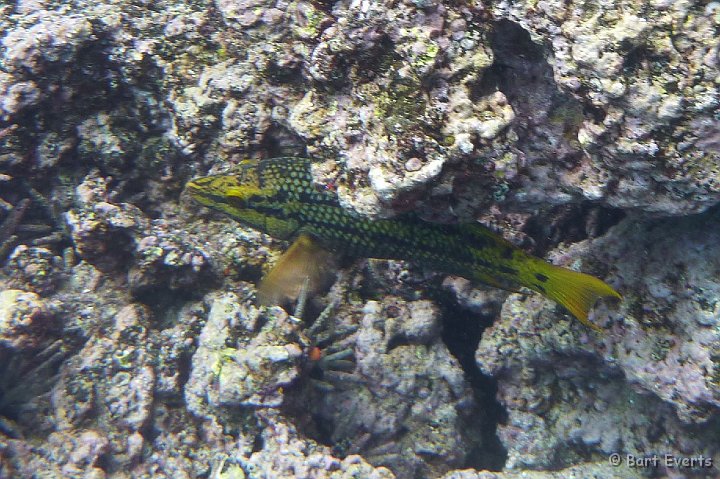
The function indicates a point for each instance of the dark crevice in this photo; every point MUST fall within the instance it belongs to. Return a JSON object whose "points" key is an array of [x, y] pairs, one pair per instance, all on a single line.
{"points": [[322, 430], [397, 341], [184, 365], [163, 303], [547, 119], [278, 74], [366, 64], [520, 69], [258, 443], [280, 141], [381, 59], [325, 5], [462, 332], [104, 462], [571, 223]]}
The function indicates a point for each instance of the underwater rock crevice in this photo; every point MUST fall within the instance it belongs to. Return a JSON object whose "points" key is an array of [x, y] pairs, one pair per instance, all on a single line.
{"points": [[518, 62], [280, 140], [571, 223], [523, 72], [461, 334]]}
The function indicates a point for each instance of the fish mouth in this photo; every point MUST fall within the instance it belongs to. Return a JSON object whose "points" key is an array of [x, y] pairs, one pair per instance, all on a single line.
{"points": [[191, 189], [198, 186], [195, 191], [203, 191]]}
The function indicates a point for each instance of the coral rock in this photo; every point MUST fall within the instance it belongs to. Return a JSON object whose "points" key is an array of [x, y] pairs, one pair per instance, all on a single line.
{"points": [[24, 319]]}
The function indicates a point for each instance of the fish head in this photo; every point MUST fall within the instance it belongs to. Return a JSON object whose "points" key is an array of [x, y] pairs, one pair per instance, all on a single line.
{"points": [[247, 198]]}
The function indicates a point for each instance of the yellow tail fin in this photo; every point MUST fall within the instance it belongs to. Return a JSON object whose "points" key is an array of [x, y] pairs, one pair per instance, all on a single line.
{"points": [[577, 292]]}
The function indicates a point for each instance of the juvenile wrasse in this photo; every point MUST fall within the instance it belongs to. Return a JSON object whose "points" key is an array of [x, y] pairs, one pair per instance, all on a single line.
{"points": [[278, 197]]}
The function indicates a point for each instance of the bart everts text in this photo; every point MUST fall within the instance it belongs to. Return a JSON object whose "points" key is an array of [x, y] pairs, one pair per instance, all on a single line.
{"points": [[668, 461]]}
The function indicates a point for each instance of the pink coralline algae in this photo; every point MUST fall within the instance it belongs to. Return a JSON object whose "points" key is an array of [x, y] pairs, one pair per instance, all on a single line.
{"points": [[130, 342]]}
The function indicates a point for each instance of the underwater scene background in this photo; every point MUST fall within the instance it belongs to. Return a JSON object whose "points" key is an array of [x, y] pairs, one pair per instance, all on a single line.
{"points": [[131, 341]]}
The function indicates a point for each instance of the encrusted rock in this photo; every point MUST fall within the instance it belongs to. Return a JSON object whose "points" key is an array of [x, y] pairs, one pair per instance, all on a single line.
{"points": [[649, 90], [508, 112], [112, 378], [398, 354], [103, 232], [54, 38], [655, 369], [245, 357], [14, 96], [35, 269], [110, 145], [166, 263], [24, 319], [286, 454]]}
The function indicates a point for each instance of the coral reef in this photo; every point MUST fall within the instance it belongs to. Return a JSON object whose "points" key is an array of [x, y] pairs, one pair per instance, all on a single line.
{"points": [[654, 371], [130, 344], [405, 401], [648, 86], [285, 455], [127, 394]]}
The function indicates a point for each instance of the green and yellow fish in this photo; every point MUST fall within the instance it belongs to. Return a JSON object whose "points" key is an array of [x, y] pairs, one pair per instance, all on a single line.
{"points": [[278, 197]]}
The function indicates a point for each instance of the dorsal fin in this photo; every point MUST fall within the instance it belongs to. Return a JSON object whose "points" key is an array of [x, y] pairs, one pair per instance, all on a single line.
{"points": [[484, 236]]}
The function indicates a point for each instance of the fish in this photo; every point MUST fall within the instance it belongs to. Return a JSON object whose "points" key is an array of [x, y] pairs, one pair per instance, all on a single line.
{"points": [[279, 197]]}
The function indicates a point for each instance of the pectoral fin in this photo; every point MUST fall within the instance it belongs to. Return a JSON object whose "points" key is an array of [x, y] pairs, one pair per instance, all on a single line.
{"points": [[304, 268]]}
